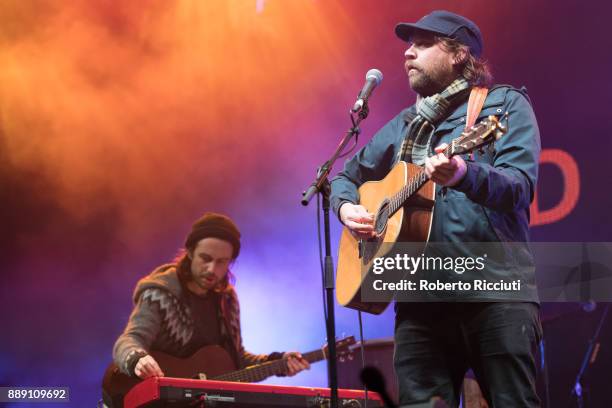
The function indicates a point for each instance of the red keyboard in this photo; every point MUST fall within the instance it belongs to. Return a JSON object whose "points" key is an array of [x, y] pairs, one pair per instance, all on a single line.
{"points": [[181, 392]]}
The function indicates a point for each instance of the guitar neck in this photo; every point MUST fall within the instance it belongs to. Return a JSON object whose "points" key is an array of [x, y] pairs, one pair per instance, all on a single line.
{"points": [[260, 372], [485, 132], [412, 186]]}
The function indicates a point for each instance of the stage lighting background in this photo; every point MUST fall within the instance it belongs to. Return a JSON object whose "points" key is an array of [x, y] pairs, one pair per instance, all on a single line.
{"points": [[121, 123]]}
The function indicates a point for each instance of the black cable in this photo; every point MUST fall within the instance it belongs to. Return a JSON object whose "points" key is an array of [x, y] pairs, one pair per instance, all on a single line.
{"points": [[320, 242], [349, 151], [344, 154], [363, 361], [544, 367]]}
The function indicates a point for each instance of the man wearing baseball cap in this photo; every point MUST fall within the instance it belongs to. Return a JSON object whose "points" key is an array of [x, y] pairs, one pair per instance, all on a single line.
{"points": [[190, 303], [479, 198]]}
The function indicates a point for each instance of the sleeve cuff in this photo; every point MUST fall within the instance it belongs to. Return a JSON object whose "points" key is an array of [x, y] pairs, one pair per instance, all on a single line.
{"points": [[275, 356], [132, 360], [340, 206], [465, 184]]}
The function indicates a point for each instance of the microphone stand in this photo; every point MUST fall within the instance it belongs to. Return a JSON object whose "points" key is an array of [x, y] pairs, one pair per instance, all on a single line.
{"points": [[322, 186], [578, 390]]}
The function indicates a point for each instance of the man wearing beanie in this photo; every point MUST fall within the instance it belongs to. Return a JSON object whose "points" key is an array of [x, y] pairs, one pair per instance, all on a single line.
{"points": [[188, 304], [479, 198]]}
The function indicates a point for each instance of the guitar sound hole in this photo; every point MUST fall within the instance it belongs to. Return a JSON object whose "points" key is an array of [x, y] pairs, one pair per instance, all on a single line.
{"points": [[382, 217]]}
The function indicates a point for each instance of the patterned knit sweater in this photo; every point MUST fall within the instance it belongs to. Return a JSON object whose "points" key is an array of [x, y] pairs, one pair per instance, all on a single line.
{"points": [[162, 321]]}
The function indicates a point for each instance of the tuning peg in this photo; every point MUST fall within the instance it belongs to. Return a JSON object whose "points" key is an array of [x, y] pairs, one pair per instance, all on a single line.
{"points": [[504, 128]]}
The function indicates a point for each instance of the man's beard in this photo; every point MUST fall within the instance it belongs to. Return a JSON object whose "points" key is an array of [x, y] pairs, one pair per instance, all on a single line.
{"points": [[207, 282], [430, 83]]}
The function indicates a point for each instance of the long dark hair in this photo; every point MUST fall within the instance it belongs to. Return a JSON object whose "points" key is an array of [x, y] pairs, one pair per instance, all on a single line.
{"points": [[475, 70], [183, 271]]}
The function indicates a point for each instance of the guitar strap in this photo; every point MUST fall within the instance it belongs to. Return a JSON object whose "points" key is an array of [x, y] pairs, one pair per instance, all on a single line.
{"points": [[475, 104]]}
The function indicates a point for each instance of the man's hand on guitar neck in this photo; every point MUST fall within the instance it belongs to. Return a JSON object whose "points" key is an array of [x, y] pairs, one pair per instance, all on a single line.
{"points": [[295, 363], [358, 220], [147, 367], [444, 171]]}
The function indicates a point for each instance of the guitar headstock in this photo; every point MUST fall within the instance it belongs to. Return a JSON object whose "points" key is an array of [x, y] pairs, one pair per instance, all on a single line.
{"points": [[481, 134], [343, 348]]}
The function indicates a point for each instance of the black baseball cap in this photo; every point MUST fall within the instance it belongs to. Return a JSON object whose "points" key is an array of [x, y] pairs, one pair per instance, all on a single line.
{"points": [[446, 24]]}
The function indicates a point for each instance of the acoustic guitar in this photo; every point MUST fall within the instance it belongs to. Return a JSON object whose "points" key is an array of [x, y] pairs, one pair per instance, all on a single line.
{"points": [[402, 204], [211, 363]]}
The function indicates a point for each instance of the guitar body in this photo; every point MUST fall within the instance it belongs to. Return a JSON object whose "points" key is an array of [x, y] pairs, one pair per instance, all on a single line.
{"points": [[210, 360], [410, 223]]}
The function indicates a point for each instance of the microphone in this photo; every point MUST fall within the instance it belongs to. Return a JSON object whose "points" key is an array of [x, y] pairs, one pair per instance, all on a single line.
{"points": [[373, 79]]}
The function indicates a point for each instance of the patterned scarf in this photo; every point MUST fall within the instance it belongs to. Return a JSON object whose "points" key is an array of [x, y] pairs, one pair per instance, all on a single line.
{"points": [[430, 112]]}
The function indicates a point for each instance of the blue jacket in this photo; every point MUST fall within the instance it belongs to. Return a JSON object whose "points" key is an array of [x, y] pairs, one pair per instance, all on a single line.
{"points": [[491, 204]]}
